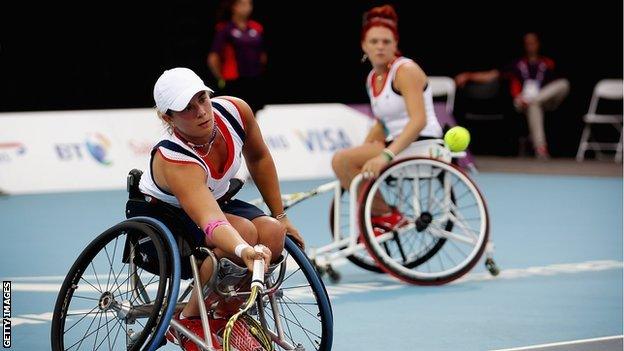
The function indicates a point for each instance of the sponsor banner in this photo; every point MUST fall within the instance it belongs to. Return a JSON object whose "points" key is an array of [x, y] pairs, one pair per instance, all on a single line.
{"points": [[304, 137], [74, 150], [95, 149]]}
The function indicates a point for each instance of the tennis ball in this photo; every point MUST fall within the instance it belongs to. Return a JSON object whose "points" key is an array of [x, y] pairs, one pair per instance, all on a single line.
{"points": [[457, 138]]}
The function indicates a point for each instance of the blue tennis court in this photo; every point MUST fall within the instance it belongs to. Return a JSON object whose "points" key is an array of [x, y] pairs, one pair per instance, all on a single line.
{"points": [[558, 243]]}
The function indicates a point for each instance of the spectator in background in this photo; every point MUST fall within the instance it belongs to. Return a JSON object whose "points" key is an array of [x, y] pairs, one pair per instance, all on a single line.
{"points": [[237, 58], [534, 86]]}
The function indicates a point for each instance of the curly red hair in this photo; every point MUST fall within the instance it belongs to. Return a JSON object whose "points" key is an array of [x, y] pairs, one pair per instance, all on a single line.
{"points": [[381, 16]]}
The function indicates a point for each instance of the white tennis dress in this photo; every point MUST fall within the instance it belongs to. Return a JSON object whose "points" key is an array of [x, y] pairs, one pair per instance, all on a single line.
{"points": [[389, 107]]}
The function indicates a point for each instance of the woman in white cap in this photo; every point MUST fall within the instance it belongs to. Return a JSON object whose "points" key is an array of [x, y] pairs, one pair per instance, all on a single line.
{"points": [[190, 169]]}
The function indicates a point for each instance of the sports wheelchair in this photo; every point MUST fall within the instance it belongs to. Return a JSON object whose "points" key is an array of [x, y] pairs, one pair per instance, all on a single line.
{"points": [[124, 288], [445, 226]]}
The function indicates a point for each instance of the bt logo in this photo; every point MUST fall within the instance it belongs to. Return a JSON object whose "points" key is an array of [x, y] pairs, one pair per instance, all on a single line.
{"points": [[10, 150], [96, 145]]}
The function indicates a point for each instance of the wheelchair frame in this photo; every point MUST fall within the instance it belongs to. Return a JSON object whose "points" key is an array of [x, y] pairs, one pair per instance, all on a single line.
{"points": [[345, 245], [271, 306]]}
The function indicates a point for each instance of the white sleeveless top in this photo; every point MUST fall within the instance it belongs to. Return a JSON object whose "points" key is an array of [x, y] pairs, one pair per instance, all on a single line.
{"points": [[389, 107], [172, 148]]}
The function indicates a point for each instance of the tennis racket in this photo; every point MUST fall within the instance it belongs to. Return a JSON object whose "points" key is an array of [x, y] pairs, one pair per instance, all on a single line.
{"points": [[234, 333], [290, 200]]}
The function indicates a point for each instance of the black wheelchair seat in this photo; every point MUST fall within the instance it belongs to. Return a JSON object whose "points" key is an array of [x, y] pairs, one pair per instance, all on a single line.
{"points": [[175, 219]]}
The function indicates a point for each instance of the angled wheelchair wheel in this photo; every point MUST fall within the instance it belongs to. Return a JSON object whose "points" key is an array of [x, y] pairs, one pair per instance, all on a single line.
{"points": [[361, 259], [298, 313], [444, 227], [114, 297]]}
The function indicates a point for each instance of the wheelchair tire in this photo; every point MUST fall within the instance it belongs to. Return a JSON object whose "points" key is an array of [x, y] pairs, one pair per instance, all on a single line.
{"points": [[302, 304], [435, 229], [85, 298]]}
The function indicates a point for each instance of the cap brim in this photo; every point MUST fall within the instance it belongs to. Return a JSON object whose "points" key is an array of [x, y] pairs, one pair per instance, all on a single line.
{"points": [[183, 98]]}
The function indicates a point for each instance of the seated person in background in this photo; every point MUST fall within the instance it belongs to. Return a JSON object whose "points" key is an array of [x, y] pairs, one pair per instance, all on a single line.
{"points": [[534, 87]]}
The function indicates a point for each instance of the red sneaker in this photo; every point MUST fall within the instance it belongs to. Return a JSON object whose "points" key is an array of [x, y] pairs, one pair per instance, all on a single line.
{"points": [[222, 306], [389, 221], [194, 325]]}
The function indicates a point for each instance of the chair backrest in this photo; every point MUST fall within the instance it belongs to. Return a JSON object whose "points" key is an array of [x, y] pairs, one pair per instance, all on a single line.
{"points": [[610, 89], [443, 86], [483, 91], [485, 101]]}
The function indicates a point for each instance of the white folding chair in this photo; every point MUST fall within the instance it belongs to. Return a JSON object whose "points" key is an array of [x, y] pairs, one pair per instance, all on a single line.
{"points": [[610, 89], [443, 86]]}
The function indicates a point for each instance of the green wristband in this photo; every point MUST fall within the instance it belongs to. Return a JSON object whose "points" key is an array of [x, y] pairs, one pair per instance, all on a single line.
{"points": [[389, 154]]}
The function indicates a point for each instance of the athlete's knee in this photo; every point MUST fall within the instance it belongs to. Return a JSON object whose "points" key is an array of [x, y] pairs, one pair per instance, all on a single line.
{"points": [[246, 229], [272, 228], [271, 233], [338, 161], [565, 86]]}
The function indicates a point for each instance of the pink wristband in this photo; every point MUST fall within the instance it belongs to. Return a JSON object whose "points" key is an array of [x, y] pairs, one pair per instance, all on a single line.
{"points": [[212, 225]]}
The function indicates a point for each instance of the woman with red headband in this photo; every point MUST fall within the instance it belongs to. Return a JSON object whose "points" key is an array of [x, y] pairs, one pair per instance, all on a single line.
{"points": [[401, 102]]}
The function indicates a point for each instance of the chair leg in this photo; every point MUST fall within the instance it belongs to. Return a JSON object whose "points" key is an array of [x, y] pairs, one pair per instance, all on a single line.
{"points": [[580, 154]]}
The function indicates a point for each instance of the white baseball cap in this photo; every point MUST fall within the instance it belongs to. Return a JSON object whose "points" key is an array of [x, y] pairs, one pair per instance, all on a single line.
{"points": [[175, 88]]}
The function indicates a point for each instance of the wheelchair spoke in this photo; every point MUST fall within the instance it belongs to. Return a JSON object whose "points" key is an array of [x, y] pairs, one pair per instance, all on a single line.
{"points": [[79, 343], [138, 321], [96, 277], [83, 317], [295, 287], [142, 288], [119, 327], [118, 286], [458, 219], [292, 302], [291, 274], [97, 331], [107, 338], [86, 298], [121, 270], [110, 262], [296, 321], [86, 281], [449, 257], [457, 248]]}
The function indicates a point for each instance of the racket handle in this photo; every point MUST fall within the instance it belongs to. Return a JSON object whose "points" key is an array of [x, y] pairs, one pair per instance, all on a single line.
{"points": [[257, 278]]}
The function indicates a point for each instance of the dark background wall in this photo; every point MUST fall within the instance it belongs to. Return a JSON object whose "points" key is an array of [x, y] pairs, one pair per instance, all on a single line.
{"points": [[108, 55]]}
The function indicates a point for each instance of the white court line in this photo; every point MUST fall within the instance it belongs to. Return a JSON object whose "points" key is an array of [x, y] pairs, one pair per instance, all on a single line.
{"points": [[341, 289], [591, 343], [512, 273], [549, 270]]}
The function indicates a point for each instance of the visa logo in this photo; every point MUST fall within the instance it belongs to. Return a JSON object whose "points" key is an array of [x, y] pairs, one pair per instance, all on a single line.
{"points": [[324, 140]]}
